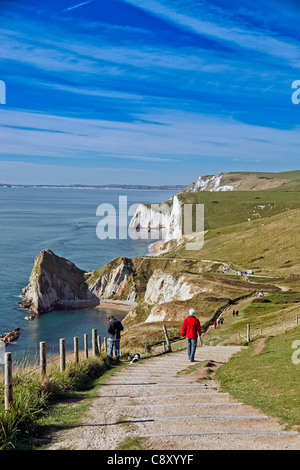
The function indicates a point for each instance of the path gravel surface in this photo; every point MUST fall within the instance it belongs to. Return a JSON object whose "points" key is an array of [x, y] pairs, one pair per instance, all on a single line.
{"points": [[156, 400]]}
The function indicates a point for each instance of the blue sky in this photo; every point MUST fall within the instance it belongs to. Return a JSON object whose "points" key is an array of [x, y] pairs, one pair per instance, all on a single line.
{"points": [[147, 91]]}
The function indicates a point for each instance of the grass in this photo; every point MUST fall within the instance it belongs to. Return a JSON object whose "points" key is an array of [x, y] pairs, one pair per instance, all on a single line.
{"points": [[132, 443], [269, 380], [253, 229], [268, 315], [59, 402], [228, 208], [191, 369], [267, 246]]}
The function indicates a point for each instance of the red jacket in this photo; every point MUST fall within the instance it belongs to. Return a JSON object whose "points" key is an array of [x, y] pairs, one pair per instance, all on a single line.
{"points": [[191, 327]]}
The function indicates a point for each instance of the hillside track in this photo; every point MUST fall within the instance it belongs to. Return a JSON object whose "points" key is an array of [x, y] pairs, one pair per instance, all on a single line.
{"points": [[156, 400]]}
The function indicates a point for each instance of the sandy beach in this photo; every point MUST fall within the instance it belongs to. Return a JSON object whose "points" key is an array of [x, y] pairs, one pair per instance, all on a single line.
{"points": [[155, 248], [122, 305]]}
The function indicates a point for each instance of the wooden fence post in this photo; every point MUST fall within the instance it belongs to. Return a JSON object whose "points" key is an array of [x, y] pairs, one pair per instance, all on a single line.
{"points": [[105, 345], [86, 346], [62, 352], [94, 343], [8, 386], [297, 320], [43, 361], [167, 338], [248, 333], [76, 352], [99, 344]]}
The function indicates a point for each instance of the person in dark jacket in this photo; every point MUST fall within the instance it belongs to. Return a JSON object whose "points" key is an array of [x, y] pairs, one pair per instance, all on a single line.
{"points": [[191, 328], [114, 333]]}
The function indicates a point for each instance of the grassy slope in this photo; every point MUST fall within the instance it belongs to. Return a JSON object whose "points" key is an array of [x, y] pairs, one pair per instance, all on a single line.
{"points": [[267, 181], [268, 380], [224, 209], [267, 243], [268, 247], [268, 315]]}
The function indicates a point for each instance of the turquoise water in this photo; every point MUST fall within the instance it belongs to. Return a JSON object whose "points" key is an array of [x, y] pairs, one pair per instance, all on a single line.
{"points": [[65, 221]]}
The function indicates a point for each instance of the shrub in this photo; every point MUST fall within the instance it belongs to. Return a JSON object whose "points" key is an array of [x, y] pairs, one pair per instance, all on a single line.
{"points": [[31, 398]]}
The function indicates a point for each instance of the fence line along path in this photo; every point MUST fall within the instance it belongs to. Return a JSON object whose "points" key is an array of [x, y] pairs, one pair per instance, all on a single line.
{"points": [[155, 400]]}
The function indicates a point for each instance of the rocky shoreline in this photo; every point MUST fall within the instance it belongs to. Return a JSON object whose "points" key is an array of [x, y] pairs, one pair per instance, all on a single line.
{"points": [[11, 336]]}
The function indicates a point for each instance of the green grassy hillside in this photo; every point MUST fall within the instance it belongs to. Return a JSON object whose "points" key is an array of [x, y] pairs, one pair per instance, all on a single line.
{"points": [[252, 230], [226, 208]]}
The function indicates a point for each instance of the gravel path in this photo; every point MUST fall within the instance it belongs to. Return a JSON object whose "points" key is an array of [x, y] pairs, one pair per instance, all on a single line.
{"points": [[171, 410]]}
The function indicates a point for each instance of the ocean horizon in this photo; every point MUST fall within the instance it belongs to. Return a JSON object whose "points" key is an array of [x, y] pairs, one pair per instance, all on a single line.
{"points": [[63, 220]]}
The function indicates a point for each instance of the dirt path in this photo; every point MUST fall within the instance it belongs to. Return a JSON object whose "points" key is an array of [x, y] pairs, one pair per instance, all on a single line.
{"points": [[238, 305], [156, 400], [228, 310]]}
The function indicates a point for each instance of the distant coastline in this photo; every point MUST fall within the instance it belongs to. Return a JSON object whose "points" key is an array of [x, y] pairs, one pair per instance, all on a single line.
{"points": [[107, 186]]}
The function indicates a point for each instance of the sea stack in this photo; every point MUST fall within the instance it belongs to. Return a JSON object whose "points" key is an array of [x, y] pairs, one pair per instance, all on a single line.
{"points": [[56, 283]]}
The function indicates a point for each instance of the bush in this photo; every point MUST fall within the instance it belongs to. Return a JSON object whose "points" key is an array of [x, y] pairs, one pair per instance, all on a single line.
{"points": [[31, 397]]}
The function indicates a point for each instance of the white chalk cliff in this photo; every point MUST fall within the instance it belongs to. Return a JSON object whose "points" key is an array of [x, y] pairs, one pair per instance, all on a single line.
{"points": [[160, 220], [115, 282], [163, 287], [211, 183]]}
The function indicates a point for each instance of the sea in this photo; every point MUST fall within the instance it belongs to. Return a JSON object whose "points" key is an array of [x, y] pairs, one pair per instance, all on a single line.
{"points": [[65, 221]]}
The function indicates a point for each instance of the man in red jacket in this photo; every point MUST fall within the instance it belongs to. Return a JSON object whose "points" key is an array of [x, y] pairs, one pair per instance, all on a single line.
{"points": [[190, 329]]}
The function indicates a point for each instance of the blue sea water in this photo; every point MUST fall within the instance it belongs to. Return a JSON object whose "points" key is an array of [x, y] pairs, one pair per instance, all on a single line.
{"points": [[65, 221]]}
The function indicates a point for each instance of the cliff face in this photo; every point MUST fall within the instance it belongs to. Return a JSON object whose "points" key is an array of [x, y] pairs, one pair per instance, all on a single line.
{"points": [[156, 289], [174, 227], [163, 287], [56, 283], [150, 220], [115, 283]]}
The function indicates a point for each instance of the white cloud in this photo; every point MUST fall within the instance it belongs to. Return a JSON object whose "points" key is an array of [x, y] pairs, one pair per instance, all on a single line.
{"points": [[257, 40], [184, 136], [77, 6]]}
